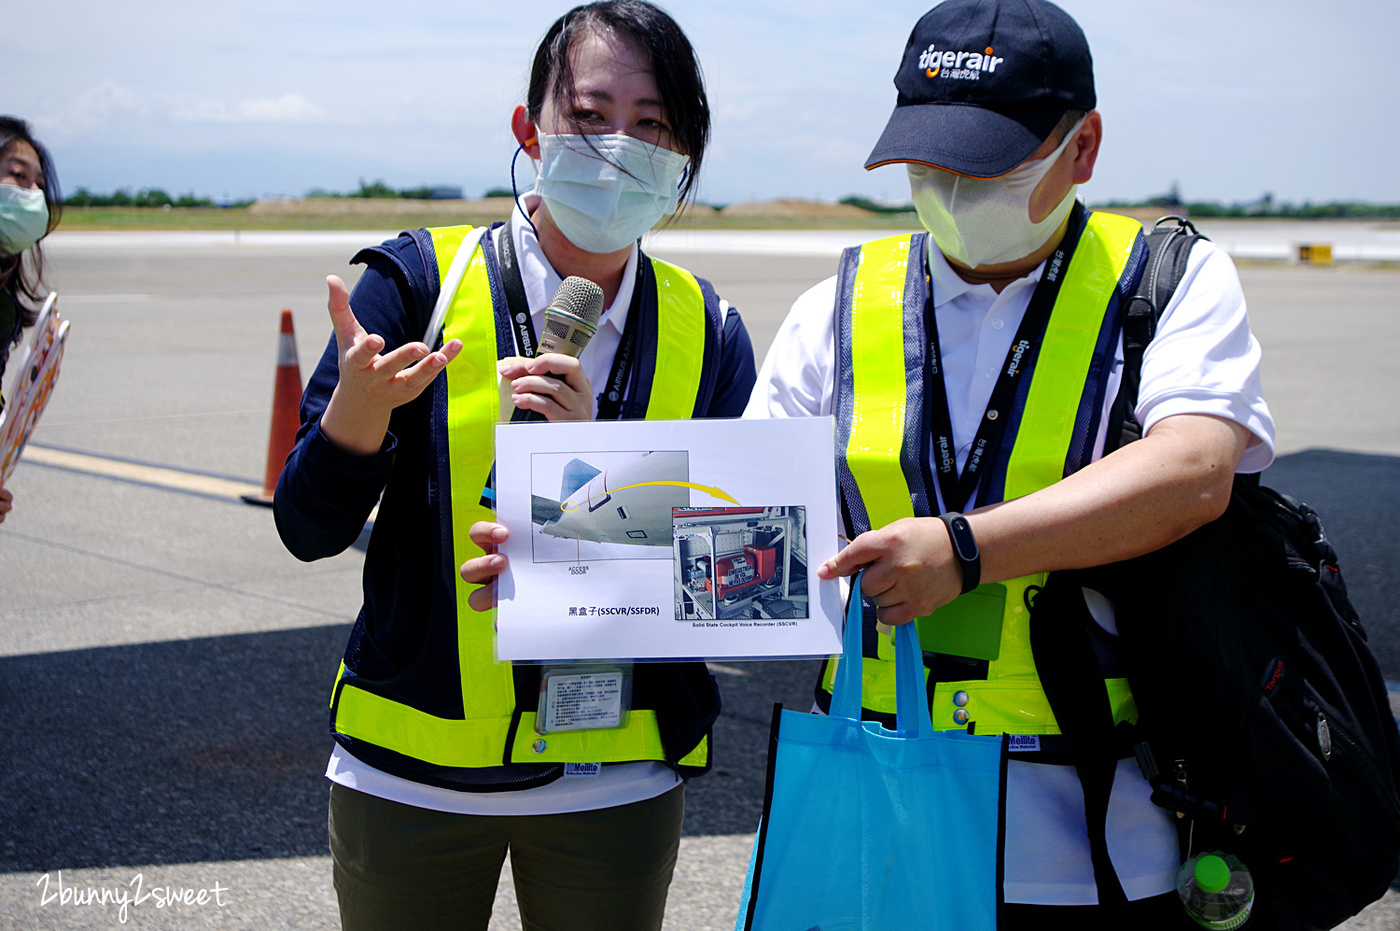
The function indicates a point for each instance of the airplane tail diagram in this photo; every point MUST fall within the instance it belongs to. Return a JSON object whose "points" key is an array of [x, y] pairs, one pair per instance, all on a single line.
{"points": [[576, 474]]}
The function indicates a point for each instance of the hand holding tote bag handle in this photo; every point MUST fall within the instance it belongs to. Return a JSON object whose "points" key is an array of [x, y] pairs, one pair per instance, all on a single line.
{"points": [[912, 715], [867, 829]]}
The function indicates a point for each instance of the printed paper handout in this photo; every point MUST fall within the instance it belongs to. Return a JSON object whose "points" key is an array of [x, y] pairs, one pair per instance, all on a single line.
{"points": [[652, 540], [33, 383]]}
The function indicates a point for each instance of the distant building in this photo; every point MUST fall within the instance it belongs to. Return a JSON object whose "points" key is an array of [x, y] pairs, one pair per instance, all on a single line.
{"points": [[445, 192]]}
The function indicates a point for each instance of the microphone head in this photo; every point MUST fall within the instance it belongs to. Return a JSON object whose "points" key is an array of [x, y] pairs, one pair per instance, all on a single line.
{"points": [[580, 298], [571, 318]]}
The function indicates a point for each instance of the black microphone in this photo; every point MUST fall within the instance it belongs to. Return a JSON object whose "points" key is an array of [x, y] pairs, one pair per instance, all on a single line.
{"points": [[570, 321]]}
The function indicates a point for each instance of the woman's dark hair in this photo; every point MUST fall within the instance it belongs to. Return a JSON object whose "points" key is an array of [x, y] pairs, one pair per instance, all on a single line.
{"points": [[673, 64], [19, 276]]}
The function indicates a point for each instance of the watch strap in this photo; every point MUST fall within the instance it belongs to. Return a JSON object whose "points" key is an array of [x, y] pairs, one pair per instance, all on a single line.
{"points": [[964, 549]]}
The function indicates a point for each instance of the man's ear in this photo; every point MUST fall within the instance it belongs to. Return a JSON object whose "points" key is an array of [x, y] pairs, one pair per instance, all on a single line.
{"points": [[1088, 139], [525, 132]]}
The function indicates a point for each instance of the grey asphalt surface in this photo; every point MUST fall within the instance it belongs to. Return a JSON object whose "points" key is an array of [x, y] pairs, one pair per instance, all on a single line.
{"points": [[164, 663]]}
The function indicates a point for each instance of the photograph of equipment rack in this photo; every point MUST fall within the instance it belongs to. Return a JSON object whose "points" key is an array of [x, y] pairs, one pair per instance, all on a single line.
{"points": [[740, 562]]}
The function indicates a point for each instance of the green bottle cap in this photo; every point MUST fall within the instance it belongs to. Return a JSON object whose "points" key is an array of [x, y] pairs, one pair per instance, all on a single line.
{"points": [[1212, 873]]}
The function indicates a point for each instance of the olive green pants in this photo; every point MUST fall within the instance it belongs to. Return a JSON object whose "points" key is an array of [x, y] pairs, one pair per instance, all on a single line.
{"points": [[400, 867]]}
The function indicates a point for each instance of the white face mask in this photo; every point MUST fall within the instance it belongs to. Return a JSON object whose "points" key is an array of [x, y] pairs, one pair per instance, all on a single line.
{"points": [[24, 218], [605, 191], [987, 221]]}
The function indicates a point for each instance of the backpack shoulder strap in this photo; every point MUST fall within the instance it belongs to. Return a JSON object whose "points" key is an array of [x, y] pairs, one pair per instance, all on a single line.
{"points": [[1169, 245]]}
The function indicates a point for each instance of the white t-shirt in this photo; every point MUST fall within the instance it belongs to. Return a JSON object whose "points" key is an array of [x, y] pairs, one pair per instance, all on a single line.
{"points": [[611, 785], [1202, 360]]}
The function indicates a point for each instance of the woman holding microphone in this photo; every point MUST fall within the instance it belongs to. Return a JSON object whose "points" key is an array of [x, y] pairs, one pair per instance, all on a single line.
{"points": [[437, 769]]}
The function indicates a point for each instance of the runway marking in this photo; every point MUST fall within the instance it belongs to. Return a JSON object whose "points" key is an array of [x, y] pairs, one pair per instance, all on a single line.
{"points": [[152, 476], [107, 298], [204, 416], [138, 473]]}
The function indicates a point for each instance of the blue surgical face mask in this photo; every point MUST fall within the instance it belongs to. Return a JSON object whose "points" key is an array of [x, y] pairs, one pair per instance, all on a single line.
{"points": [[604, 191], [24, 218]]}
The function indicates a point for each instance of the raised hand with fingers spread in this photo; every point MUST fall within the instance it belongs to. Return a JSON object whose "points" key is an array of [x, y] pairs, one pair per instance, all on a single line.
{"points": [[371, 385]]}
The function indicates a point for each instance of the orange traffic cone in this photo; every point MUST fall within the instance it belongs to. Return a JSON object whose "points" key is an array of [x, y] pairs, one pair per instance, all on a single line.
{"points": [[286, 398]]}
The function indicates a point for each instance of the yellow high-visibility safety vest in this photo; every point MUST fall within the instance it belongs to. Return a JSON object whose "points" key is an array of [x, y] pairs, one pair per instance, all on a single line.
{"points": [[492, 731], [881, 292]]}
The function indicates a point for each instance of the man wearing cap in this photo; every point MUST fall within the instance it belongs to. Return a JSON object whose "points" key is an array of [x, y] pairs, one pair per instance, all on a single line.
{"points": [[972, 371]]}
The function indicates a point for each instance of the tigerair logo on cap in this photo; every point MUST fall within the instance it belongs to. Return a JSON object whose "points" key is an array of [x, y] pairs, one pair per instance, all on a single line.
{"points": [[963, 66]]}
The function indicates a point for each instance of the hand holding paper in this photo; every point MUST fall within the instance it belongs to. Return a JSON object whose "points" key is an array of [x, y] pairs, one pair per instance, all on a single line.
{"points": [[483, 569]]}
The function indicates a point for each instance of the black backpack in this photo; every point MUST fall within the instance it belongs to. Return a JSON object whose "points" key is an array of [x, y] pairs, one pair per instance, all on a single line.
{"points": [[1263, 718]]}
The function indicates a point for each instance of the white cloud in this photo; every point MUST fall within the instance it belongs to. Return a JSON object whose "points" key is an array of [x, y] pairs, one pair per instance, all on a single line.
{"points": [[91, 108], [289, 108]]}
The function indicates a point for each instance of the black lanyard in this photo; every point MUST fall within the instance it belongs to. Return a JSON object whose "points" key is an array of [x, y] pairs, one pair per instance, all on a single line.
{"points": [[516, 303], [958, 489], [610, 399]]}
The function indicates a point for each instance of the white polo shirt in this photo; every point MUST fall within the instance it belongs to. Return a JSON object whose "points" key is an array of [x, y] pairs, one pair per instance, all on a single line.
{"points": [[1203, 360]]}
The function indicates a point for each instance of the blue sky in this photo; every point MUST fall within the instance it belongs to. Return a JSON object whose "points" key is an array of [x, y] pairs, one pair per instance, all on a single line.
{"points": [[1229, 98]]}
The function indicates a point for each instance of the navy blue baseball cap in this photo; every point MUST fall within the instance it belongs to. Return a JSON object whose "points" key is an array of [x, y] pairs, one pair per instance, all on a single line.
{"points": [[983, 83]]}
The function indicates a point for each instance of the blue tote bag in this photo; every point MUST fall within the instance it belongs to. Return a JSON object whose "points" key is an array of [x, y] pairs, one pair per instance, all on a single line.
{"points": [[867, 829]]}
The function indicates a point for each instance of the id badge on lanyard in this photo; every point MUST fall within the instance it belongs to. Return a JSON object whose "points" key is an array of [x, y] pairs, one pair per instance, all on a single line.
{"points": [[584, 697]]}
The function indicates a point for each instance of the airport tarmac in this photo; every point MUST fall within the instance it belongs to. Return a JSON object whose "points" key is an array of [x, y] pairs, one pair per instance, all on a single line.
{"points": [[164, 663]]}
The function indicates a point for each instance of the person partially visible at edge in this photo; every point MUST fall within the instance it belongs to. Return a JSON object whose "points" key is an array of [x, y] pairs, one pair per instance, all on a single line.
{"points": [[437, 768], [996, 127], [30, 205]]}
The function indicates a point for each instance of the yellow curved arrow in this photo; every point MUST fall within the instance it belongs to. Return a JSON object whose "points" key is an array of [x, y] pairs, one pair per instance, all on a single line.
{"points": [[707, 489]]}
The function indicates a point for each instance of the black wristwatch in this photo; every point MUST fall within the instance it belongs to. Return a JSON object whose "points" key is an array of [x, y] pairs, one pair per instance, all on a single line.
{"points": [[965, 548]]}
